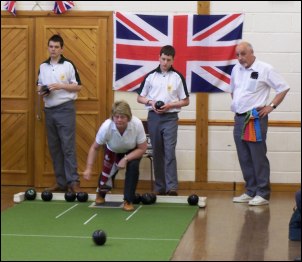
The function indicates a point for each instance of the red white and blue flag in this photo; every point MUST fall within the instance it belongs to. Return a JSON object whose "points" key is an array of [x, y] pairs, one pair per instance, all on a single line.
{"points": [[204, 44], [62, 6], [10, 6]]}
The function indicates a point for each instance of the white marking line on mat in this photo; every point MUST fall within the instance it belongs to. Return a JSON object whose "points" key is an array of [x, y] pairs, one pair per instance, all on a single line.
{"points": [[90, 219], [116, 238], [133, 213], [66, 211], [140, 238]]}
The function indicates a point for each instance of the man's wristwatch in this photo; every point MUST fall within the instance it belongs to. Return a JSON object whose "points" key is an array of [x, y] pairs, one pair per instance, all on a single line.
{"points": [[273, 105]]}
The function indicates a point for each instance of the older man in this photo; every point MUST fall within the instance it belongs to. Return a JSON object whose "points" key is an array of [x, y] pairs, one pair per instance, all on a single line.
{"points": [[251, 82]]}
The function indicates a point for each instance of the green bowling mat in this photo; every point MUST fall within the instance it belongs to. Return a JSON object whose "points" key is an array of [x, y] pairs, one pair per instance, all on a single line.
{"points": [[60, 230]]}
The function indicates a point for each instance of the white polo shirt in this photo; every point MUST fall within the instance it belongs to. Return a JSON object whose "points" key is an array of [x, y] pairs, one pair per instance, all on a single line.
{"points": [[251, 86], [165, 86], [63, 72], [117, 143]]}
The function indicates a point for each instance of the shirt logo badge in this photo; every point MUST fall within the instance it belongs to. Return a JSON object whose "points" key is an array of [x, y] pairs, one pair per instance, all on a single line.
{"points": [[62, 77]]}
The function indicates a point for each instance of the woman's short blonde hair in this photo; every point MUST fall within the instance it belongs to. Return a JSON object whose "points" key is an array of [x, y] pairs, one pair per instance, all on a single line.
{"points": [[121, 107]]}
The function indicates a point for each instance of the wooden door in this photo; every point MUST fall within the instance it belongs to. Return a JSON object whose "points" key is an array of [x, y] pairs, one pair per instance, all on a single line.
{"points": [[17, 105], [88, 43]]}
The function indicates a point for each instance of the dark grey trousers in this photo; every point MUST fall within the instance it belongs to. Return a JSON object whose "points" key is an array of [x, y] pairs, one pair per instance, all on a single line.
{"points": [[253, 160], [163, 133], [60, 125]]}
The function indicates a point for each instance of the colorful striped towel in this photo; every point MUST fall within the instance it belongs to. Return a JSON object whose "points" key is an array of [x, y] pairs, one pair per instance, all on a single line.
{"points": [[251, 130]]}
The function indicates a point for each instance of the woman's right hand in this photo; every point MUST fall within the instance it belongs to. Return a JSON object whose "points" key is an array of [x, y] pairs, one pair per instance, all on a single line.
{"points": [[87, 174]]}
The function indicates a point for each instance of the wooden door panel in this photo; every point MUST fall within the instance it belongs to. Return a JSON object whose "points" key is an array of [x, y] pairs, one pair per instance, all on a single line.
{"points": [[14, 147], [17, 111], [87, 124]]}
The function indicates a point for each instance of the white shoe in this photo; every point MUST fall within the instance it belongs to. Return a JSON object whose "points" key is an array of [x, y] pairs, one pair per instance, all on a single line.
{"points": [[244, 198], [258, 201]]}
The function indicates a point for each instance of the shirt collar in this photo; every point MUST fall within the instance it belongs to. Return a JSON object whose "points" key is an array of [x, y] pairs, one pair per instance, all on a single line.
{"points": [[113, 127], [159, 71], [61, 60]]}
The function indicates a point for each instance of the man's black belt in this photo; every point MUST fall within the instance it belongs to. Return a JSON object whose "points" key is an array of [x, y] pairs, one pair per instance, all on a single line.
{"points": [[243, 114]]}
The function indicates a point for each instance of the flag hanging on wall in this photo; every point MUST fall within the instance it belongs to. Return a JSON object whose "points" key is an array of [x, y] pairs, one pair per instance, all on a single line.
{"points": [[10, 6], [62, 6], [204, 44]]}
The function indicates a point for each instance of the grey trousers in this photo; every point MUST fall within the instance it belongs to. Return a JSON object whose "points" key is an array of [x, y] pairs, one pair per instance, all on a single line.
{"points": [[253, 160], [60, 125], [163, 133]]}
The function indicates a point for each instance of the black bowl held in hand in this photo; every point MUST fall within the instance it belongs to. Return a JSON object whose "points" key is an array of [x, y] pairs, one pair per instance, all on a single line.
{"points": [[44, 90], [159, 104]]}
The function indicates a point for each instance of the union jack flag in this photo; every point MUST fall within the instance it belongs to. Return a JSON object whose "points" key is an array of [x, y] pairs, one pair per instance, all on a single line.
{"points": [[204, 44], [62, 6], [10, 6]]}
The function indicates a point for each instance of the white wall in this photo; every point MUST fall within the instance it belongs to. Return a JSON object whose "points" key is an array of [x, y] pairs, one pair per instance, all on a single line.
{"points": [[274, 29]]}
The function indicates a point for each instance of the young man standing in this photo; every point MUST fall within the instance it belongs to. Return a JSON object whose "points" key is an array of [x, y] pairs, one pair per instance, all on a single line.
{"points": [[58, 84], [167, 85]]}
